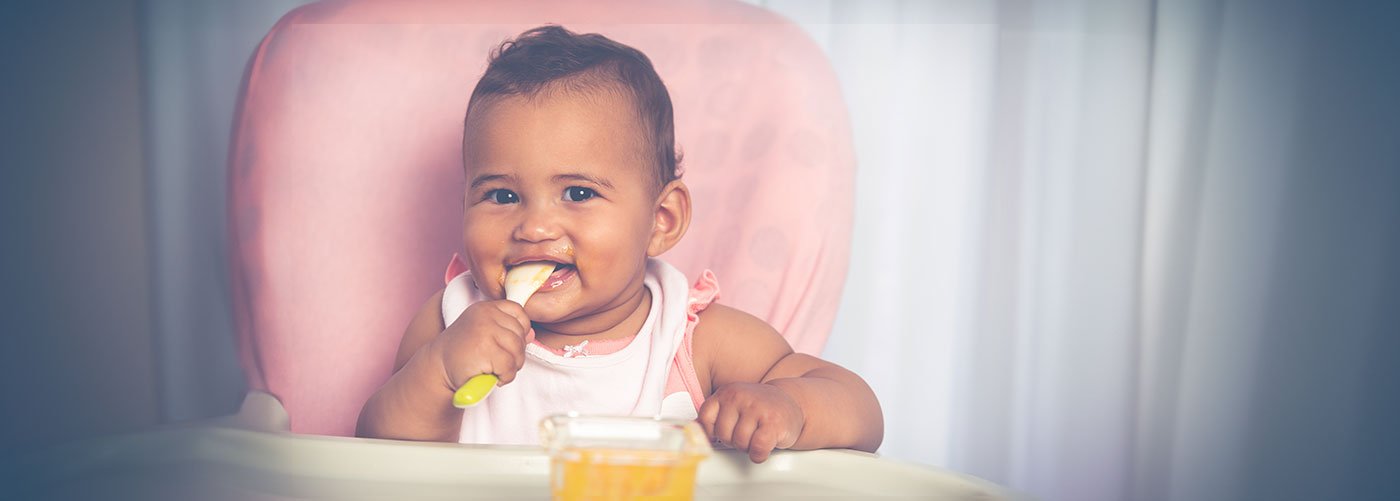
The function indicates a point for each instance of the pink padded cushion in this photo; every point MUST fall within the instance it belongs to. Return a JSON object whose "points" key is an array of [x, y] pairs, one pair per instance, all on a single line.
{"points": [[346, 184]]}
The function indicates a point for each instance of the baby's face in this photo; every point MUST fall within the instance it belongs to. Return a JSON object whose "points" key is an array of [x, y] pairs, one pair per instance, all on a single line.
{"points": [[559, 177]]}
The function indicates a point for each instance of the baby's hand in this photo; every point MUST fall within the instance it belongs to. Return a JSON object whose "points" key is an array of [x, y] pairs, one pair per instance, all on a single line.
{"points": [[752, 416], [488, 338]]}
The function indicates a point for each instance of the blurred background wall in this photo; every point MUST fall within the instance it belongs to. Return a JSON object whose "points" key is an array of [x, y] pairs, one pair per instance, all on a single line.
{"points": [[79, 356], [1154, 243]]}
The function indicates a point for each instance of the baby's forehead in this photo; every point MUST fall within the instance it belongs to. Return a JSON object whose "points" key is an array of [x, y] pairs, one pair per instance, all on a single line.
{"points": [[575, 95], [586, 127]]}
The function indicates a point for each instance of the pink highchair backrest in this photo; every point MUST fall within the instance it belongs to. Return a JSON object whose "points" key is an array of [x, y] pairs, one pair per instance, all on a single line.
{"points": [[346, 180]]}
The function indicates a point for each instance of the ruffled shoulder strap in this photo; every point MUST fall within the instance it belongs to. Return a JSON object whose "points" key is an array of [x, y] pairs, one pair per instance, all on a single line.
{"points": [[702, 295], [454, 267], [704, 292]]}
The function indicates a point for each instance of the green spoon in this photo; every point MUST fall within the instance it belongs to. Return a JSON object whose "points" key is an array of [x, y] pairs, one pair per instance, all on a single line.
{"points": [[521, 282]]}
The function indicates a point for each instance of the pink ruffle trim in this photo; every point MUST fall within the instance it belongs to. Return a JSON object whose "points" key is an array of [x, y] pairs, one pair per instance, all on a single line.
{"points": [[704, 292], [454, 267]]}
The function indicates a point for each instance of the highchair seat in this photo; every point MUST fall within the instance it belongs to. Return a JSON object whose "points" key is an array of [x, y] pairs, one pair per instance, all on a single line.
{"points": [[346, 180]]}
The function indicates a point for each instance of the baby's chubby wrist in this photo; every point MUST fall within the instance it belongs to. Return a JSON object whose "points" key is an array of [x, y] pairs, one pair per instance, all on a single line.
{"points": [[792, 389], [415, 404], [426, 371], [433, 363], [789, 385]]}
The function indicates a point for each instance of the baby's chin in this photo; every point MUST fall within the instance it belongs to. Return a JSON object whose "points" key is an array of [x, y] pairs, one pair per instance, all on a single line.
{"points": [[546, 317], [549, 312]]}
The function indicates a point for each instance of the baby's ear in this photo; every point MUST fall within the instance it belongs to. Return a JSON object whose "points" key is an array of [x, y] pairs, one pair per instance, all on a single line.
{"points": [[672, 218]]}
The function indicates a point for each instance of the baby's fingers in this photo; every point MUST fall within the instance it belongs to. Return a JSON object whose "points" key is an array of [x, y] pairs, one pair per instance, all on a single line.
{"points": [[724, 425], [509, 358], [743, 431], [761, 445], [717, 420], [709, 410], [516, 313], [496, 362]]}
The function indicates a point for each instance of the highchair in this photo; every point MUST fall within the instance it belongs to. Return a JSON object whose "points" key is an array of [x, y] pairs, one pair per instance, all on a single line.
{"points": [[345, 201]]}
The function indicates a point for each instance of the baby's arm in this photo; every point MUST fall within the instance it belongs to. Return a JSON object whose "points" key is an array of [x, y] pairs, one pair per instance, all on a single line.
{"points": [[762, 395], [432, 361], [416, 403]]}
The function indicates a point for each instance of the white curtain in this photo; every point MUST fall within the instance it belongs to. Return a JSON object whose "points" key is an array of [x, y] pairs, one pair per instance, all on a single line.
{"points": [[1104, 250], [994, 286], [1125, 249]]}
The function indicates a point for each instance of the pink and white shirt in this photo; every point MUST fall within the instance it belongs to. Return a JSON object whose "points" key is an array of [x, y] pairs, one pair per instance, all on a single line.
{"points": [[650, 374]]}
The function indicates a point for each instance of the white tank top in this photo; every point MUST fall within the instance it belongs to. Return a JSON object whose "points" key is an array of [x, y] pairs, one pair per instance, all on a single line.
{"points": [[628, 382]]}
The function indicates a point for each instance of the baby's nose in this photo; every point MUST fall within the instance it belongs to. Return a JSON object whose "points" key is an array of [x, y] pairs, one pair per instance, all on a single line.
{"points": [[538, 225]]}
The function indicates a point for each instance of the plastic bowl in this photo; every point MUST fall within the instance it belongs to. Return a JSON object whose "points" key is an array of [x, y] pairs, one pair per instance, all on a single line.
{"points": [[604, 457]]}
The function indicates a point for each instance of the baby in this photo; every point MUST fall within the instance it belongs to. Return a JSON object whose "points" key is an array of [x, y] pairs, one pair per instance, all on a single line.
{"points": [[569, 154]]}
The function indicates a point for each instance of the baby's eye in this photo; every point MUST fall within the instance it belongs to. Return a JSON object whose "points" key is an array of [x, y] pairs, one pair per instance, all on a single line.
{"points": [[578, 193], [502, 196]]}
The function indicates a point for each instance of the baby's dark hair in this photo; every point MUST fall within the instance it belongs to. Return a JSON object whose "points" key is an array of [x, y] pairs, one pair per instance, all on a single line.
{"points": [[550, 58]]}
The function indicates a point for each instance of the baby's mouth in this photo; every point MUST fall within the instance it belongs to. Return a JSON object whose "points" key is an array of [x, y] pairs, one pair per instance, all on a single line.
{"points": [[558, 277], [563, 274]]}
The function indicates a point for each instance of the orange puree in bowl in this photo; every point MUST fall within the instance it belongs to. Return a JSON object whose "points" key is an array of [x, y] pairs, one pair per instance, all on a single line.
{"points": [[579, 474], [619, 457]]}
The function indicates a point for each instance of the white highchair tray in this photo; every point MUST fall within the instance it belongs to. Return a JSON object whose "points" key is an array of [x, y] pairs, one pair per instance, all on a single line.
{"points": [[237, 458]]}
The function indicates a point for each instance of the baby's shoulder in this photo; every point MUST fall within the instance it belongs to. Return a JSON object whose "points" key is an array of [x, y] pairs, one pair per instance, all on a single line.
{"points": [[722, 320], [722, 330], [730, 345]]}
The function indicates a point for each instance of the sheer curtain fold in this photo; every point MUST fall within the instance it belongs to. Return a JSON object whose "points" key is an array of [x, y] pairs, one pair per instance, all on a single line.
{"points": [[1185, 41], [1099, 256], [1001, 151]]}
